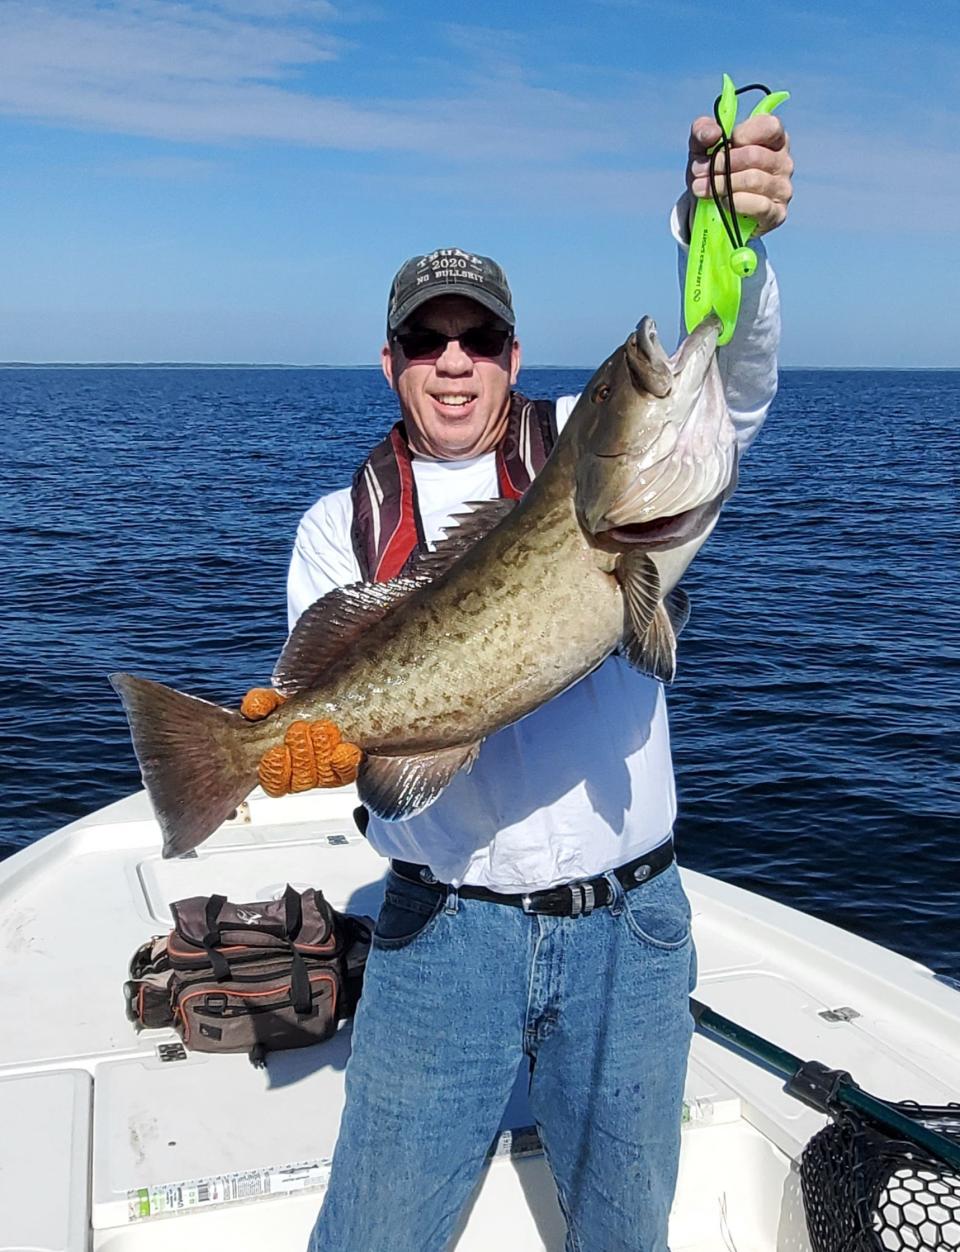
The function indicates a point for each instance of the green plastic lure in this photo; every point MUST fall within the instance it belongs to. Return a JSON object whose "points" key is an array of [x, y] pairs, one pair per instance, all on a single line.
{"points": [[719, 258]]}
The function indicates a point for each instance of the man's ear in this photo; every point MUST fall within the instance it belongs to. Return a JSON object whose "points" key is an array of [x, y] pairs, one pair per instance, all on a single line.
{"points": [[386, 364], [514, 361]]}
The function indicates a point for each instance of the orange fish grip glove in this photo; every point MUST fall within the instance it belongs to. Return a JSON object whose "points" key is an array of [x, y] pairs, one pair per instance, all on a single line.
{"points": [[312, 754], [260, 702]]}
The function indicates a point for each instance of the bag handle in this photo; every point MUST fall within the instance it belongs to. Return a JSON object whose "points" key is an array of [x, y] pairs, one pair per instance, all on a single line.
{"points": [[211, 940], [293, 911], [301, 996], [211, 913]]}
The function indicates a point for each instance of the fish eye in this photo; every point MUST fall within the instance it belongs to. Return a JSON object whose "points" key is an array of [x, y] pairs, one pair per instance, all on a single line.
{"points": [[600, 393]]}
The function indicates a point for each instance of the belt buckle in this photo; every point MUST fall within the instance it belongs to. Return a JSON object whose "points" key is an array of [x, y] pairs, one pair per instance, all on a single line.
{"points": [[528, 905], [583, 899]]}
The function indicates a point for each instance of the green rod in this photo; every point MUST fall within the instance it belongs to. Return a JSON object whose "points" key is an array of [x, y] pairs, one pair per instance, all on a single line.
{"points": [[848, 1094]]}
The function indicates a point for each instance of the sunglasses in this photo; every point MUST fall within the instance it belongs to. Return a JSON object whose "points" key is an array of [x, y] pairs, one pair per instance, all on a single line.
{"points": [[419, 342]]}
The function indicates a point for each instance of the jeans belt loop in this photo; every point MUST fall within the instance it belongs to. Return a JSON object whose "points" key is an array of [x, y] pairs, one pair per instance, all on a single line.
{"points": [[617, 897], [452, 903]]}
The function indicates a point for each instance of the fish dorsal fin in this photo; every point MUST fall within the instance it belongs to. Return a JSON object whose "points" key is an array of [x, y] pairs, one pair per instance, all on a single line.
{"points": [[461, 533], [640, 581], [655, 651], [331, 625], [396, 787]]}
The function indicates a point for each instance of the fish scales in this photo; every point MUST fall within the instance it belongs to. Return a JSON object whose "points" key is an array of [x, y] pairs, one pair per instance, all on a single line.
{"points": [[418, 672], [479, 662]]}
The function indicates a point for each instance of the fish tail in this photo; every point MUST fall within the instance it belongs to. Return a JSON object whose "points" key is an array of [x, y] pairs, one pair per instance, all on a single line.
{"points": [[198, 760]]}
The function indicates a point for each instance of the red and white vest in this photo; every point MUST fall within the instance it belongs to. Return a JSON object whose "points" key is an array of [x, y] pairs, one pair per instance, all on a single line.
{"points": [[387, 532]]}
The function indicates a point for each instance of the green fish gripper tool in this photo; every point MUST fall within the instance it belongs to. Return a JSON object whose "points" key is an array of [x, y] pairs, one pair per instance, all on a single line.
{"points": [[719, 259]]}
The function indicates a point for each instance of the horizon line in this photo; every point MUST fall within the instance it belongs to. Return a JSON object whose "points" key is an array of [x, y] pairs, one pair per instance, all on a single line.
{"points": [[281, 365]]}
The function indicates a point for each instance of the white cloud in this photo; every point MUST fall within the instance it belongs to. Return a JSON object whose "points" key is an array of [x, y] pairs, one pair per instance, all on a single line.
{"points": [[251, 71], [147, 43], [219, 72], [276, 8], [166, 168], [555, 193]]}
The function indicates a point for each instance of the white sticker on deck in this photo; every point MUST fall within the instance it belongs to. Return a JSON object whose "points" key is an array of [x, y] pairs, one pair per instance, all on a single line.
{"points": [[175, 1197]]}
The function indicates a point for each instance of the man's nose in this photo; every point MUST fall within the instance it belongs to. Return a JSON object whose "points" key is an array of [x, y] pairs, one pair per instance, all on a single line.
{"points": [[454, 360]]}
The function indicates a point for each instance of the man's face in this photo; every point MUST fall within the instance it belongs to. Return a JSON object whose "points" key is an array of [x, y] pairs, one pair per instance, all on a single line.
{"points": [[454, 401]]}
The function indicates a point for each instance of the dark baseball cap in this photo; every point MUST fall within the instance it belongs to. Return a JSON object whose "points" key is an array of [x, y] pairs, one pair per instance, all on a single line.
{"points": [[449, 272]]}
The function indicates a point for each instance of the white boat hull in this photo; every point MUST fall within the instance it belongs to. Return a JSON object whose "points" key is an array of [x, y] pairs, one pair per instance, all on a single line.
{"points": [[118, 1149]]}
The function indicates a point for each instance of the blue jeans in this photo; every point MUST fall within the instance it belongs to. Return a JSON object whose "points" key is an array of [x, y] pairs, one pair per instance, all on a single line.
{"points": [[457, 995]]}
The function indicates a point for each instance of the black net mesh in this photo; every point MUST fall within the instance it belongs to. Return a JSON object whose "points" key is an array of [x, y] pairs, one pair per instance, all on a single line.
{"points": [[865, 1191]]}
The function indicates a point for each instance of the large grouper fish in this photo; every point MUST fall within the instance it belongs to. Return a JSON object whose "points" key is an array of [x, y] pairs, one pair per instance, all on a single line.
{"points": [[517, 603]]}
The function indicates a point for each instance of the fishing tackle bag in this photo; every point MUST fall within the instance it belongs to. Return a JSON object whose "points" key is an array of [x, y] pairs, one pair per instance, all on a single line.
{"points": [[250, 977]]}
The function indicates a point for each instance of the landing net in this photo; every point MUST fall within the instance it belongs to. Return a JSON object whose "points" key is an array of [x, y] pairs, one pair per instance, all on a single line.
{"points": [[866, 1191]]}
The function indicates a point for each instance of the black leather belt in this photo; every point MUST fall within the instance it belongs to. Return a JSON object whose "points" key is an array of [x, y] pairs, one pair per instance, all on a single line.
{"points": [[570, 900]]}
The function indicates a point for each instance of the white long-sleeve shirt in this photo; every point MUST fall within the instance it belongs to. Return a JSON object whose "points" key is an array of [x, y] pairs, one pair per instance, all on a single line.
{"points": [[584, 783]]}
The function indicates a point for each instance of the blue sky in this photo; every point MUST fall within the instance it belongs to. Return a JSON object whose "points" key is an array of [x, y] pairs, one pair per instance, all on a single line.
{"points": [[238, 180]]}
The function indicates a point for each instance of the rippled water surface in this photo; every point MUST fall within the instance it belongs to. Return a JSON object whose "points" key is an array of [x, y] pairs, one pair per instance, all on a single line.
{"points": [[146, 520]]}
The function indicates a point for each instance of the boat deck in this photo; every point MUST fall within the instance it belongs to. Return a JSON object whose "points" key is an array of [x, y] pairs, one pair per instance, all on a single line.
{"points": [[118, 1148]]}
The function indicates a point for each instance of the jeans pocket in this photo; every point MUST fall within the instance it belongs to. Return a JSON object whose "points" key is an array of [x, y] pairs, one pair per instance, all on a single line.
{"points": [[658, 913], [407, 910]]}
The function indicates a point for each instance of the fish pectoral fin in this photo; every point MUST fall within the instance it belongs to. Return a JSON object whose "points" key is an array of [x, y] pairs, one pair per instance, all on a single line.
{"points": [[331, 625], [640, 581], [396, 787], [655, 651], [677, 604]]}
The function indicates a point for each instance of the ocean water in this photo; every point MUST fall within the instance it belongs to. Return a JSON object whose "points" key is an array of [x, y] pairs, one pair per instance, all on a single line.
{"points": [[146, 518]]}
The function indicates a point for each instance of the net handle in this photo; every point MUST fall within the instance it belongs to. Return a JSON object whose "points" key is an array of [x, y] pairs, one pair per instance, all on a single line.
{"points": [[823, 1089]]}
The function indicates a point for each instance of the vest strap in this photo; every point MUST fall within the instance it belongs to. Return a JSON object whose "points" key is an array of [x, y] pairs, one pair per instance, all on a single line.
{"points": [[387, 529]]}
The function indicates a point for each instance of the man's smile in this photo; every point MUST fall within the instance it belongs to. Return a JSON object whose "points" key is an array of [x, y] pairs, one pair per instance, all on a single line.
{"points": [[457, 400]]}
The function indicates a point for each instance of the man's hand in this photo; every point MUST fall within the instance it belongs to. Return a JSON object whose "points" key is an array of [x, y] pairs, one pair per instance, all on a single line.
{"points": [[761, 168]]}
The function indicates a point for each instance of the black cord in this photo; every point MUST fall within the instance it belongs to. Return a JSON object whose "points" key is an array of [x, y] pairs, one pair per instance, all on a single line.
{"points": [[731, 224]]}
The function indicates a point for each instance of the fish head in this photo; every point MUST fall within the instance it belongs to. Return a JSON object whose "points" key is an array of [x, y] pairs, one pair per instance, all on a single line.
{"points": [[656, 452]]}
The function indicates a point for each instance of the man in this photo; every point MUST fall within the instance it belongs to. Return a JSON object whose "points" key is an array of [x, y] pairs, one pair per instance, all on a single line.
{"points": [[533, 914]]}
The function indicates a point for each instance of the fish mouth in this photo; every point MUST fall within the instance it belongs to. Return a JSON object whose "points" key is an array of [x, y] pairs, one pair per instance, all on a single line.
{"points": [[650, 485], [661, 533], [702, 343]]}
